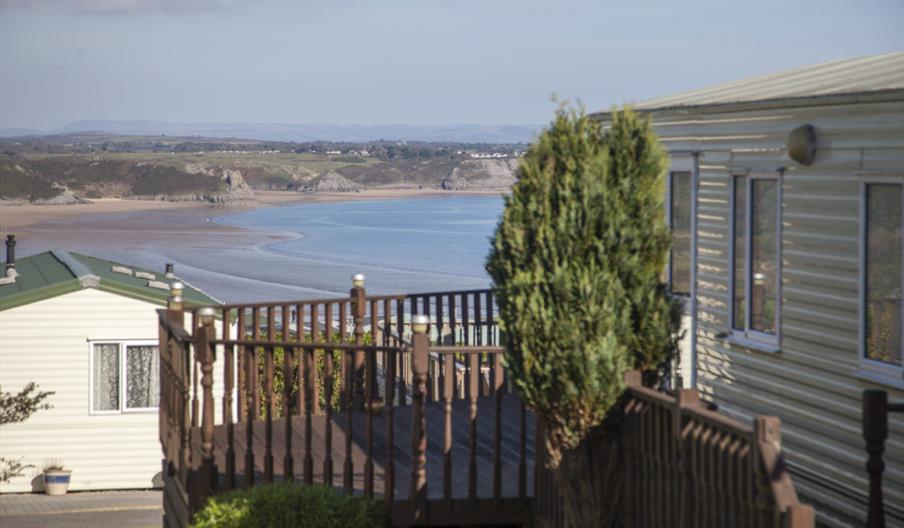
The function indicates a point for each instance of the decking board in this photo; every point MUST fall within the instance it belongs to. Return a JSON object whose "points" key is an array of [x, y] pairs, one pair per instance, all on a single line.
{"points": [[402, 418]]}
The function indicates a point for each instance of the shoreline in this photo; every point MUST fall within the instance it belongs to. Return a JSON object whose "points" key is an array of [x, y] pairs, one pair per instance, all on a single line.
{"points": [[27, 217]]}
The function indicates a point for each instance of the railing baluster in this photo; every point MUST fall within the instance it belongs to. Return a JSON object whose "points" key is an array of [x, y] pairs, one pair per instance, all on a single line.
{"points": [[400, 325], [473, 391], [439, 320], [453, 331], [268, 402], [228, 387], [349, 383], [315, 337], [491, 338], [522, 451], [310, 375], [242, 368], [250, 393], [448, 386], [389, 471], [328, 402], [288, 462], [195, 408], [256, 333], [496, 390]]}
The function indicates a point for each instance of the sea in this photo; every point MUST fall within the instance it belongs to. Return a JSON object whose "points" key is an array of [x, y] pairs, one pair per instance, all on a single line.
{"points": [[421, 244]]}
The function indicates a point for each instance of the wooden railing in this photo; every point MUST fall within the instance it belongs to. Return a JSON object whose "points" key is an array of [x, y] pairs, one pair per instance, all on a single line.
{"points": [[352, 372], [331, 391], [686, 466]]}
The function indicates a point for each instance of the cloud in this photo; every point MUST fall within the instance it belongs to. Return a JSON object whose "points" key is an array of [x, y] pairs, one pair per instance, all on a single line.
{"points": [[117, 7]]}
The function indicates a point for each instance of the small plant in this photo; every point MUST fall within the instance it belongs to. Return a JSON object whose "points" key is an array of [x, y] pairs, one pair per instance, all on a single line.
{"points": [[56, 477], [290, 505], [53, 464]]}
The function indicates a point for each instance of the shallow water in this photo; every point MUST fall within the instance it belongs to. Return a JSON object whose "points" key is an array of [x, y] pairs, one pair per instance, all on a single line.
{"points": [[420, 244]]}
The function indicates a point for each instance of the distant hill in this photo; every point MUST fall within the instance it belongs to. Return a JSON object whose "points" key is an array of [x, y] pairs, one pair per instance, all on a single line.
{"points": [[17, 132], [465, 133]]}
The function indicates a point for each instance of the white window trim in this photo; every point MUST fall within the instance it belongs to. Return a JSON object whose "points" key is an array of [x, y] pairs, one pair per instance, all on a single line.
{"points": [[877, 371], [748, 337], [122, 343]]}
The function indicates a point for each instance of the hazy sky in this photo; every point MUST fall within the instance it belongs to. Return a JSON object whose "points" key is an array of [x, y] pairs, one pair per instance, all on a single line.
{"points": [[401, 61]]}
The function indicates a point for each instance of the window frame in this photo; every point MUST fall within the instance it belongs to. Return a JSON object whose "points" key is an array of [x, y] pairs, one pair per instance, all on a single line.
{"points": [[747, 336], [123, 385], [872, 367]]}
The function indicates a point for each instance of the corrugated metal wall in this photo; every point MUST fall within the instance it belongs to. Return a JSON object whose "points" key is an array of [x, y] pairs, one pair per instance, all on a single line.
{"points": [[811, 384]]}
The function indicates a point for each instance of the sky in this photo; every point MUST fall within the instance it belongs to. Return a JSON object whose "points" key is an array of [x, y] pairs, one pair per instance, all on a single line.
{"points": [[420, 62]]}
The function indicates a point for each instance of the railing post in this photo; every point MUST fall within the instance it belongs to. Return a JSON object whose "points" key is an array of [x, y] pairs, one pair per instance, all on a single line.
{"points": [[686, 398], [205, 355], [766, 429], [359, 307], [174, 307], [181, 365], [419, 359], [801, 516], [875, 431]]}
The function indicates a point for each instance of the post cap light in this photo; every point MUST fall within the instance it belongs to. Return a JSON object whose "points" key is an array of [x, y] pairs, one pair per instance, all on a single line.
{"points": [[419, 324], [176, 289], [358, 280], [206, 315]]}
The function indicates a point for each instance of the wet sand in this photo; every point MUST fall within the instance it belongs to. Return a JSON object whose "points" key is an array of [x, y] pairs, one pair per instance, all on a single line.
{"points": [[148, 234]]}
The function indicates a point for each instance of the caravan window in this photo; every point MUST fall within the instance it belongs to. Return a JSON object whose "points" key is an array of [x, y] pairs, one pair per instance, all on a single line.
{"points": [[882, 258], [680, 224], [124, 376], [755, 256]]}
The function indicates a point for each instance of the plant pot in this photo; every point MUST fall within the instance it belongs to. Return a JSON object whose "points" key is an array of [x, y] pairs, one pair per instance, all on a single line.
{"points": [[56, 482]]}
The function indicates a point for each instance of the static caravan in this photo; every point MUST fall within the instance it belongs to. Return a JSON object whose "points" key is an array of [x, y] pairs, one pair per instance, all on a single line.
{"points": [[787, 203], [86, 329]]}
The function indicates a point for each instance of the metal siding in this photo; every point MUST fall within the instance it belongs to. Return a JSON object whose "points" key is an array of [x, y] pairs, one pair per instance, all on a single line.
{"points": [[810, 384]]}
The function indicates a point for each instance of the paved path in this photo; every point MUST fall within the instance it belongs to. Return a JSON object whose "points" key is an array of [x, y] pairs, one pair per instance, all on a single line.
{"points": [[135, 509]]}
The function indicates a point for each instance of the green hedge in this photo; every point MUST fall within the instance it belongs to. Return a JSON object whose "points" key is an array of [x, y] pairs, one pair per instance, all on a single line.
{"points": [[285, 505]]}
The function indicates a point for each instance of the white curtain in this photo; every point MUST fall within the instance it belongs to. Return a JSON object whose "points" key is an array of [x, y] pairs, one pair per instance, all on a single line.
{"points": [[106, 377], [142, 373]]}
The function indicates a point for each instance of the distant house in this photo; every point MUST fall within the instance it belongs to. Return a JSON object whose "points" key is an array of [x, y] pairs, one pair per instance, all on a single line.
{"points": [[787, 207], [85, 328]]}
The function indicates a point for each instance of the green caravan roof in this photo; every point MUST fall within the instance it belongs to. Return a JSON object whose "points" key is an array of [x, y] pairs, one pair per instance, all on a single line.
{"points": [[53, 273]]}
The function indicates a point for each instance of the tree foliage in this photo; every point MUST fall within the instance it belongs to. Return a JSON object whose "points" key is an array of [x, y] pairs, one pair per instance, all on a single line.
{"points": [[577, 261]]}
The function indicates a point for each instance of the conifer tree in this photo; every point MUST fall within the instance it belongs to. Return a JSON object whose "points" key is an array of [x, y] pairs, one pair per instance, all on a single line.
{"points": [[577, 261]]}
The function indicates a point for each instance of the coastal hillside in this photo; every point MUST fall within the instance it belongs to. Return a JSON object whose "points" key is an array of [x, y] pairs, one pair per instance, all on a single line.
{"points": [[73, 168]]}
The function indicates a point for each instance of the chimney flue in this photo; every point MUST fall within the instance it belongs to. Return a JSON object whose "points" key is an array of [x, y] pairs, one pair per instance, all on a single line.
{"points": [[169, 273], [11, 252]]}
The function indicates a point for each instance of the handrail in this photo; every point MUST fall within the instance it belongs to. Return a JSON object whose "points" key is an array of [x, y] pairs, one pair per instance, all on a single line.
{"points": [[467, 349], [175, 329], [306, 345]]}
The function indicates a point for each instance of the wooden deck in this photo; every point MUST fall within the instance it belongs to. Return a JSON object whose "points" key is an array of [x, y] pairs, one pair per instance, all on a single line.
{"points": [[461, 456]]}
